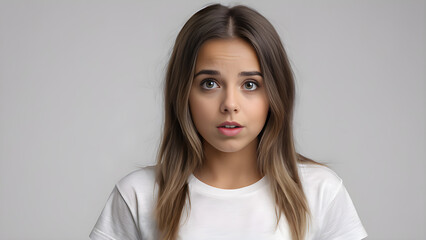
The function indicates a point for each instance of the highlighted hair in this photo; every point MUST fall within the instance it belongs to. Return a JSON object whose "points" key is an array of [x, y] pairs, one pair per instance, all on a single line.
{"points": [[180, 153]]}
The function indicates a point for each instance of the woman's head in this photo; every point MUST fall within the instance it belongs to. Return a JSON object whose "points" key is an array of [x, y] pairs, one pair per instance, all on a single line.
{"points": [[220, 22]]}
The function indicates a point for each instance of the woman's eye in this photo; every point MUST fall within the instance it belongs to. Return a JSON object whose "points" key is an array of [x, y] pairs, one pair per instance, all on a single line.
{"points": [[250, 86], [209, 84]]}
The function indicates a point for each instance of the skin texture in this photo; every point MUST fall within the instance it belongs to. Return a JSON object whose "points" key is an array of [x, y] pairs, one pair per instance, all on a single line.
{"points": [[228, 96]]}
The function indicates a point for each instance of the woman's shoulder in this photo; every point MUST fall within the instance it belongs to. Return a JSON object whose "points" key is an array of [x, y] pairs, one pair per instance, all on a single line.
{"points": [[319, 178], [143, 176], [318, 172], [138, 185], [129, 208], [333, 213]]}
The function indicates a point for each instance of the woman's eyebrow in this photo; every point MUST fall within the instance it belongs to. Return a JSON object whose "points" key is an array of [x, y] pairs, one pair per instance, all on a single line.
{"points": [[208, 72], [241, 74], [248, 74]]}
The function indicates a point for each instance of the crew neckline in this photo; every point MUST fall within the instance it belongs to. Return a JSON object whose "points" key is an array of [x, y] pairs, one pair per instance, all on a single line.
{"points": [[197, 185]]}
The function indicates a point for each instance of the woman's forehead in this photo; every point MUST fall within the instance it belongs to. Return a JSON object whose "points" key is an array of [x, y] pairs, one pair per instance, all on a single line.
{"points": [[220, 53]]}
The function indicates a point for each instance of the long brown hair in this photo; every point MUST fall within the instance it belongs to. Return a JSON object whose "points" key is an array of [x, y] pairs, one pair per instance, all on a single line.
{"points": [[181, 149]]}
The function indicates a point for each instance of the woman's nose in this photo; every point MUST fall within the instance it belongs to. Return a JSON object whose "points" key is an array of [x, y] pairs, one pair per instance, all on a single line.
{"points": [[229, 102]]}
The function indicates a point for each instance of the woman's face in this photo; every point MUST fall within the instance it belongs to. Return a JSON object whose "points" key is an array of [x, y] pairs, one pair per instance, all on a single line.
{"points": [[228, 100]]}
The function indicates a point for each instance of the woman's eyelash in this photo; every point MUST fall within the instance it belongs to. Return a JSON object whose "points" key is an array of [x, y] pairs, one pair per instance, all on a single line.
{"points": [[253, 81]]}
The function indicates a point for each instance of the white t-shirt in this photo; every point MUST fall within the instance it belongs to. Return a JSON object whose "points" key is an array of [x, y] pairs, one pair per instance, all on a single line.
{"points": [[244, 213]]}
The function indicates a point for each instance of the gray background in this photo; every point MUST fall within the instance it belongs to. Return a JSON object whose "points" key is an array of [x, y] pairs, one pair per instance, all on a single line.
{"points": [[81, 104]]}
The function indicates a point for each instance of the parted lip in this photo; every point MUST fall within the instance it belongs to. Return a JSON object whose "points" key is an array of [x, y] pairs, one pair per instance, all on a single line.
{"points": [[229, 123]]}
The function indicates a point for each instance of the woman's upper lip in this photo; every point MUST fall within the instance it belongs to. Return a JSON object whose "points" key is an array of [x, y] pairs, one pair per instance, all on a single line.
{"points": [[229, 123]]}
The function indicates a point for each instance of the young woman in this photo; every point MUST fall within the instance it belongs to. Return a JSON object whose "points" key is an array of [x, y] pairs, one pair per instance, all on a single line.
{"points": [[227, 167]]}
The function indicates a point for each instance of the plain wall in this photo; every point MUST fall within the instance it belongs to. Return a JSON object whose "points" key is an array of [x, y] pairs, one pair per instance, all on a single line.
{"points": [[81, 104]]}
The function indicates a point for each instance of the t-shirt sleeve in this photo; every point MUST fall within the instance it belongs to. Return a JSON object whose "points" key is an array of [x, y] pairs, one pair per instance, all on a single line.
{"points": [[116, 221], [341, 221]]}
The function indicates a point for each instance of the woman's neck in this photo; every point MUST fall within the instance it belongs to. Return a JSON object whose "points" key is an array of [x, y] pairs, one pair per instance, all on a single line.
{"points": [[229, 170]]}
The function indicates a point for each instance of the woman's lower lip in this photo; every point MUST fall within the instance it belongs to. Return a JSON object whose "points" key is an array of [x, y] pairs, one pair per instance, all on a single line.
{"points": [[230, 131]]}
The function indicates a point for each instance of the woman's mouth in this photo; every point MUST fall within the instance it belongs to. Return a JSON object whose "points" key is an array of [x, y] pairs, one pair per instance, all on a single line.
{"points": [[230, 128]]}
